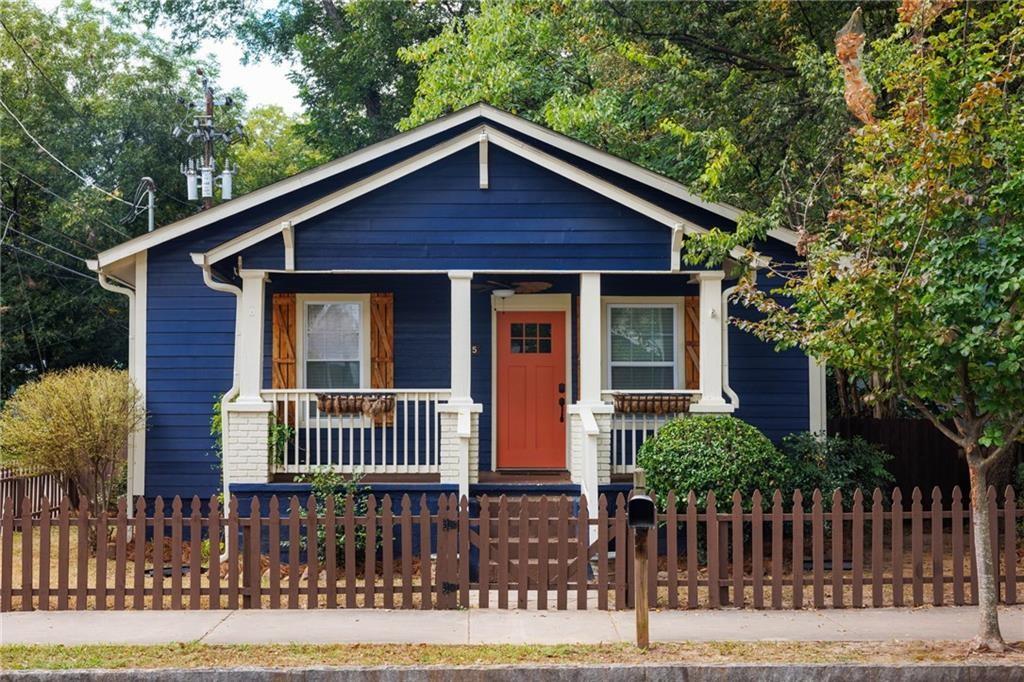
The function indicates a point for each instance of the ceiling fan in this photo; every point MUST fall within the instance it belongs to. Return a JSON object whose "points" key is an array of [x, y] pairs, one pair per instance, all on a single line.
{"points": [[517, 287]]}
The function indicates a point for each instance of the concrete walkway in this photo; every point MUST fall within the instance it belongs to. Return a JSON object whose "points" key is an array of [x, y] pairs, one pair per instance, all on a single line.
{"points": [[491, 626]]}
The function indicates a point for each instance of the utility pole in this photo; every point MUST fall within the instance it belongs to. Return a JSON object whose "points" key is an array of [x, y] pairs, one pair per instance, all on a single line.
{"points": [[150, 202], [203, 129]]}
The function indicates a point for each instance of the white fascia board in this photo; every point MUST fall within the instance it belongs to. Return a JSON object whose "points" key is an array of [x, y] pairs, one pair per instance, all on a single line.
{"points": [[344, 195], [282, 187]]}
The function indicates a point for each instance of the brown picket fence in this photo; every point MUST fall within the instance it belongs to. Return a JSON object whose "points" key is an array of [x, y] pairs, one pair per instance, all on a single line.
{"points": [[524, 552], [17, 484]]}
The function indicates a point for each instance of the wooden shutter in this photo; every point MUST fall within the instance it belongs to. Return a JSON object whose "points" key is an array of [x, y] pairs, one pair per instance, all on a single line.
{"points": [[382, 346], [283, 365], [691, 334]]}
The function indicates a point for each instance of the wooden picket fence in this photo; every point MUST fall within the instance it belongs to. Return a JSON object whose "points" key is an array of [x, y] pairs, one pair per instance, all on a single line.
{"points": [[17, 484], [506, 553]]}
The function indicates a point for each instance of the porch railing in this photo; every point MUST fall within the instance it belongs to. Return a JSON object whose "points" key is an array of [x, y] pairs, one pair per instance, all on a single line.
{"points": [[630, 430], [403, 440]]}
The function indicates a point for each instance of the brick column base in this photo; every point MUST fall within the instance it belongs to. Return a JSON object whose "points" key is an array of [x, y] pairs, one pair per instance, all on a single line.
{"points": [[460, 453], [578, 446], [246, 457]]}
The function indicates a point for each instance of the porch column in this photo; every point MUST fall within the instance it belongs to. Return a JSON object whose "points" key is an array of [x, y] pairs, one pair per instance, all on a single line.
{"points": [[246, 458], [590, 418], [460, 417], [711, 340], [250, 326]]}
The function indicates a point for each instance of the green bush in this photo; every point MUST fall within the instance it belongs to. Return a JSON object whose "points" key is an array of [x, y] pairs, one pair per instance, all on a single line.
{"points": [[830, 464], [711, 452]]}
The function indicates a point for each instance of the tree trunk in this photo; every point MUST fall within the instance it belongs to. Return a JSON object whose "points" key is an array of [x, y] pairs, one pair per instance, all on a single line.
{"points": [[989, 638]]}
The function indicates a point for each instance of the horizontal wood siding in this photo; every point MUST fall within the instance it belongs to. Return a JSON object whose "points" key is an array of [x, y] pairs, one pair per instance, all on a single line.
{"points": [[439, 218], [773, 386]]}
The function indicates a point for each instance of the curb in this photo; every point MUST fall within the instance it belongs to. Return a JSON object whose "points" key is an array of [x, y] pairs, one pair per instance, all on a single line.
{"points": [[613, 673]]}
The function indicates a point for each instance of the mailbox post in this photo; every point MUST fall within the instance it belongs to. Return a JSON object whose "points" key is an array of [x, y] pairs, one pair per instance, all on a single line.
{"points": [[641, 516]]}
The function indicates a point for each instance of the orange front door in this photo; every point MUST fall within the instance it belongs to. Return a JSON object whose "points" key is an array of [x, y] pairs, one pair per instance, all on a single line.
{"points": [[531, 390]]}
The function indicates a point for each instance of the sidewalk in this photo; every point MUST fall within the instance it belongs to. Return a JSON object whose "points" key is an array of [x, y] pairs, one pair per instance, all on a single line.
{"points": [[492, 626]]}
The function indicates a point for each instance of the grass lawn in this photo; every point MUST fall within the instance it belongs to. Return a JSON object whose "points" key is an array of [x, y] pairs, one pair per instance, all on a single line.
{"points": [[291, 656]]}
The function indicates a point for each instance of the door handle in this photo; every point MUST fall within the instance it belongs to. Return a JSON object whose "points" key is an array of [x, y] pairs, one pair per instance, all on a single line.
{"points": [[561, 410]]}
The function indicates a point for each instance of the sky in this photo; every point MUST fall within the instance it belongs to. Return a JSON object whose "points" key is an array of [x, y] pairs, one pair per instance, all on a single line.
{"points": [[263, 82]]}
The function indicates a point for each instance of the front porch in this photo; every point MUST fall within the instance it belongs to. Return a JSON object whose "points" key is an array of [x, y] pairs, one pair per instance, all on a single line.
{"points": [[382, 386]]}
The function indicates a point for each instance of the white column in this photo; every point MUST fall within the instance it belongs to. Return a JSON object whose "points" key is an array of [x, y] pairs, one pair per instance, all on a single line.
{"points": [[590, 338], [137, 371], [461, 340], [711, 339], [250, 326]]}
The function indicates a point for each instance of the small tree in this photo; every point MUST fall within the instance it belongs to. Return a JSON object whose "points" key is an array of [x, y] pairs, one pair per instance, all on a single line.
{"points": [[75, 423], [917, 275]]}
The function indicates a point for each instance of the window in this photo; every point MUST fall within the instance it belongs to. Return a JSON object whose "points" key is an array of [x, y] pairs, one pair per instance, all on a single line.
{"points": [[642, 347], [333, 344], [531, 338]]}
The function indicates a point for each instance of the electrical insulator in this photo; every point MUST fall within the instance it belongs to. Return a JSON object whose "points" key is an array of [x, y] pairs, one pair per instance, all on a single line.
{"points": [[225, 183], [207, 175], [190, 181]]}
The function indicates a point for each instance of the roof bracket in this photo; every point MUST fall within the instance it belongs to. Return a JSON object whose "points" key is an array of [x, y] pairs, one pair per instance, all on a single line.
{"points": [[484, 179], [677, 247], [289, 245]]}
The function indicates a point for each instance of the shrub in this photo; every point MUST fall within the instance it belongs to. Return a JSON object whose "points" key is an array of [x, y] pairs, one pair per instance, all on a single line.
{"points": [[710, 452], [830, 464], [75, 423], [327, 484]]}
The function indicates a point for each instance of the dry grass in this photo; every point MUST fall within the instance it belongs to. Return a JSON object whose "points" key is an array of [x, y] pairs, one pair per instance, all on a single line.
{"points": [[301, 656]]}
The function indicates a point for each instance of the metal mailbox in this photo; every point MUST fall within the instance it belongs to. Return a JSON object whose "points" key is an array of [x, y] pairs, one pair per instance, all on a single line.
{"points": [[641, 512]]}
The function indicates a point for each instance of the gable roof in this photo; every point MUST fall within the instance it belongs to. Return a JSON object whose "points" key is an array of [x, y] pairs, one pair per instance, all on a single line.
{"points": [[482, 134], [464, 116]]}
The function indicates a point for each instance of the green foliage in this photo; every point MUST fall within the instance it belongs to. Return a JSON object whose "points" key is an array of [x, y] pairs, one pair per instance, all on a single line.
{"points": [[278, 437], [217, 427], [273, 148], [350, 79], [76, 423], [102, 99], [917, 274], [832, 463], [325, 484], [711, 452]]}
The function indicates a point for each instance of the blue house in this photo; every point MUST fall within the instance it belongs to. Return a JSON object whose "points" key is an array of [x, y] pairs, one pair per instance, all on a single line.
{"points": [[474, 305]]}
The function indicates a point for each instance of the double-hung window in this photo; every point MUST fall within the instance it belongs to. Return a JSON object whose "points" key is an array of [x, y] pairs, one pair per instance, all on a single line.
{"points": [[334, 342], [642, 346]]}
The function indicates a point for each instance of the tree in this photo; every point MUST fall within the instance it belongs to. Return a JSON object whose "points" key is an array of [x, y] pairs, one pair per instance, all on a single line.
{"points": [[350, 80], [102, 100], [75, 423], [272, 148], [917, 274]]}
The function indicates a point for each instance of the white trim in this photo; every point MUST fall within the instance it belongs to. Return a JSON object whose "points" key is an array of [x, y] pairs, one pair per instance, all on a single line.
{"points": [[198, 259], [817, 393], [484, 176], [288, 234], [529, 303], [138, 372], [784, 234], [302, 301], [461, 336], [398, 142], [678, 342], [250, 353], [440, 151], [711, 340]]}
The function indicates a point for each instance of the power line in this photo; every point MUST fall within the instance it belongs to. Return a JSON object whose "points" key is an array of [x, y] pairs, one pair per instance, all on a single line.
{"points": [[54, 230], [28, 305], [52, 262], [87, 181], [64, 199], [40, 241]]}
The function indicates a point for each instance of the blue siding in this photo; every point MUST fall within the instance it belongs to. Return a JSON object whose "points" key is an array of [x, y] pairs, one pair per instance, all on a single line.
{"points": [[439, 218], [773, 386]]}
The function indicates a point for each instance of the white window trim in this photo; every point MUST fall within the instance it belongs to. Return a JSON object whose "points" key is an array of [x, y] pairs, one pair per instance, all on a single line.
{"points": [[302, 301], [679, 343]]}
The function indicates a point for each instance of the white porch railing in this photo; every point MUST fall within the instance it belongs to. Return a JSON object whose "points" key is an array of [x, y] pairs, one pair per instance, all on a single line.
{"points": [[630, 430], [403, 441]]}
